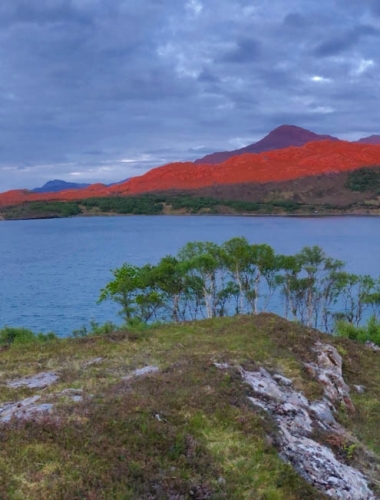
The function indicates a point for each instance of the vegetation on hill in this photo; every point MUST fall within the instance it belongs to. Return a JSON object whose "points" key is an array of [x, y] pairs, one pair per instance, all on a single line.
{"points": [[145, 412], [188, 431], [206, 280], [21, 336], [157, 205], [364, 179], [41, 210]]}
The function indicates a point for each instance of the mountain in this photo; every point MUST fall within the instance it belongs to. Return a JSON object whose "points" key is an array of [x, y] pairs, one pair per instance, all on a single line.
{"points": [[57, 185], [372, 139], [280, 138], [312, 159]]}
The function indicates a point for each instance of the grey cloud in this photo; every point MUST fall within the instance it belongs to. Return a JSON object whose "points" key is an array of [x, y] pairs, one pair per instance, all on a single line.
{"points": [[334, 46], [208, 77], [42, 12], [85, 84], [295, 20], [246, 51], [94, 152], [338, 44]]}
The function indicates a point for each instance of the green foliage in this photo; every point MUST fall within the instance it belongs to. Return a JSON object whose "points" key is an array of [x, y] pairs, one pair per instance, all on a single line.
{"points": [[144, 205], [205, 280], [368, 333], [136, 290], [95, 328], [243, 206], [59, 208], [147, 204], [364, 179], [154, 204], [19, 336], [194, 204]]}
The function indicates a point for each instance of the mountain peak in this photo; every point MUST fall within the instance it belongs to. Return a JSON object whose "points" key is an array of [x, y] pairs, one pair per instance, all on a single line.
{"points": [[57, 185], [281, 137]]}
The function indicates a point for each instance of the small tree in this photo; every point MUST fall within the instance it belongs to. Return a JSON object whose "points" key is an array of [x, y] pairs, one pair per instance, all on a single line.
{"points": [[204, 264], [122, 289], [354, 296], [135, 289]]}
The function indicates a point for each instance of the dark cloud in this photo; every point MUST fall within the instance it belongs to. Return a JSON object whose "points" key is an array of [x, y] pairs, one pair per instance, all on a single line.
{"points": [[335, 45], [338, 44], [295, 20], [99, 90], [247, 50]]}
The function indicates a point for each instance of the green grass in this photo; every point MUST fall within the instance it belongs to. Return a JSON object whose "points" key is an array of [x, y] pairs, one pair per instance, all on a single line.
{"points": [[208, 442]]}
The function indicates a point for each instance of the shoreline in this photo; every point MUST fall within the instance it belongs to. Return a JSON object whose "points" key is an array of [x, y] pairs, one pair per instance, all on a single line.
{"points": [[262, 215]]}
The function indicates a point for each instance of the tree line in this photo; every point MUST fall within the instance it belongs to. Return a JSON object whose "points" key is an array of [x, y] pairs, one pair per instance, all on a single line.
{"points": [[207, 280]]}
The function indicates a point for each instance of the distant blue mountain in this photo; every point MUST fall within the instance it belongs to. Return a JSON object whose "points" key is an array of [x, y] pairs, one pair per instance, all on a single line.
{"points": [[57, 185]]}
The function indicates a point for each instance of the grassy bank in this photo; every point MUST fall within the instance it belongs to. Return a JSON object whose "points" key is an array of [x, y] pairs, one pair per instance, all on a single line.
{"points": [[186, 432]]}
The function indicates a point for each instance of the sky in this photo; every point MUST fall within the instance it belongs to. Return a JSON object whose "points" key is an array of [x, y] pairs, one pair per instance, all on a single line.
{"points": [[102, 90]]}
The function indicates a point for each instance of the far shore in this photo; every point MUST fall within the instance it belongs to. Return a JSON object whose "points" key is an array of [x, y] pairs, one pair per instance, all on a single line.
{"points": [[261, 215]]}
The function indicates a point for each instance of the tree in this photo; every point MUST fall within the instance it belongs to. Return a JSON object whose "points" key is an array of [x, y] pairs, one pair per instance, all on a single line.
{"points": [[122, 289], [134, 288], [354, 296], [204, 263], [238, 258], [181, 293], [267, 267], [311, 285]]}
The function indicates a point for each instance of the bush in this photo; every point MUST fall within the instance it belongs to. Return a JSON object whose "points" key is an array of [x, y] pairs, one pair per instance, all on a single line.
{"points": [[19, 336], [368, 333], [95, 329]]}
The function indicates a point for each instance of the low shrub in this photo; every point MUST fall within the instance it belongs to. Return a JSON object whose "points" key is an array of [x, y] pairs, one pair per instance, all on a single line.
{"points": [[95, 328], [12, 335], [368, 333]]}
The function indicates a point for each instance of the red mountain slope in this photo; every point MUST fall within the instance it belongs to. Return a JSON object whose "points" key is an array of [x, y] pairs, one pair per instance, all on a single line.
{"points": [[279, 138], [315, 158]]}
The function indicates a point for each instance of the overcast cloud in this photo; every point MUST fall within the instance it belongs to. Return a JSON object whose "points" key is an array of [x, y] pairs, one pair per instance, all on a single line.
{"points": [[100, 90]]}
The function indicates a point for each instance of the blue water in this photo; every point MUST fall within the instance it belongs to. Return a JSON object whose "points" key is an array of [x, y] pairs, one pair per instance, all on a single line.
{"points": [[51, 271]]}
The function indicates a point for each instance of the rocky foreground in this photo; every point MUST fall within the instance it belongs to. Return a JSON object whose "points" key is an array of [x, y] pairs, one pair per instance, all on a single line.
{"points": [[236, 408]]}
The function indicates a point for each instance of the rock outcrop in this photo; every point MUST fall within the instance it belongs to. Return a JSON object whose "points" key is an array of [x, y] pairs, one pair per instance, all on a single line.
{"points": [[35, 381], [298, 420], [25, 409], [31, 407], [328, 371]]}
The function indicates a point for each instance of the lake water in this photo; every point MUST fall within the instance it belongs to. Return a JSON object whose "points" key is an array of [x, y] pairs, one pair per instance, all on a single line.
{"points": [[52, 270]]}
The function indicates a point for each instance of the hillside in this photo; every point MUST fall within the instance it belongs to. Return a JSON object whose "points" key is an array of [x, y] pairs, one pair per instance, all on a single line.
{"points": [[313, 159], [234, 408], [281, 137]]}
